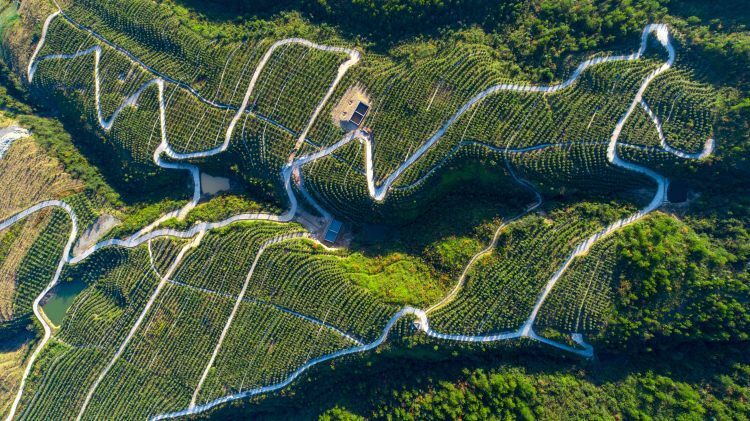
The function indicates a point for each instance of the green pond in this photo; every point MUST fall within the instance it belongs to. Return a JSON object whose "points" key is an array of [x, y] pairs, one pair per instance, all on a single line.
{"points": [[62, 297]]}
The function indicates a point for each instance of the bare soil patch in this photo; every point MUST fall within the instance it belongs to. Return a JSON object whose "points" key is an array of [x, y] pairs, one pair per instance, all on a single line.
{"points": [[94, 232], [347, 104]]}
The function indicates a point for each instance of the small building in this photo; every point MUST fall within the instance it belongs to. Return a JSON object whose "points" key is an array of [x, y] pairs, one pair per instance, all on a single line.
{"points": [[332, 234], [359, 114]]}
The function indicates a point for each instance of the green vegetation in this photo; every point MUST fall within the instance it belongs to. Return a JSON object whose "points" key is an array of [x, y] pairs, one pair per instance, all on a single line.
{"points": [[226, 255], [301, 277], [120, 282], [285, 342], [663, 301], [582, 301], [515, 394], [40, 263], [395, 278], [414, 99], [469, 385], [51, 135], [480, 395], [217, 209], [172, 322], [69, 166], [414, 90], [655, 284], [144, 216], [500, 290], [676, 285], [534, 34]]}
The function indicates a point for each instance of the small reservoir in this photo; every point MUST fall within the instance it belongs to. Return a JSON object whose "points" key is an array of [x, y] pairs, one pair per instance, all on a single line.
{"points": [[59, 300], [210, 185]]}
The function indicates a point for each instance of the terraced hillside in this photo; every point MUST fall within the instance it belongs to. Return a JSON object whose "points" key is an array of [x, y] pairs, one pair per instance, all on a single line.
{"points": [[193, 303]]}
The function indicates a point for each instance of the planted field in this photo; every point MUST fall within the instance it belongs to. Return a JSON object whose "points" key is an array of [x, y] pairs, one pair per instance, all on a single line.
{"points": [[164, 360], [585, 113], [216, 300], [133, 131], [532, 125], [449, 99], [263, 148], [264, 346], [346, 192], [164, 252], [338, 185], [307, 280], [221, 263], [32, 272], [582, 298], [640, 130], [12, 363], [192, 125], [104, 79], [501, 289], [413, 98], [685, 108], [14, 245], [58, 389], [292, 83], [572, 167], [119, 283], [156, 38], [136, 135]]}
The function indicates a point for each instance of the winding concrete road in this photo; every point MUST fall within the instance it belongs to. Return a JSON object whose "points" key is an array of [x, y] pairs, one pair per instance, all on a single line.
{"points": [[10, 134], [378, 193]]}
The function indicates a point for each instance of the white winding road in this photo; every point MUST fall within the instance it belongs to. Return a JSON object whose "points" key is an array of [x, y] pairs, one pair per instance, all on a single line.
{"points": [[10, 134], [378, 193]]}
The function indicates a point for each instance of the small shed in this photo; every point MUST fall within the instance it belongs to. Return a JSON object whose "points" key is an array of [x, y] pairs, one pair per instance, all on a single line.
{"points": [[332, 234], [359, 114]]}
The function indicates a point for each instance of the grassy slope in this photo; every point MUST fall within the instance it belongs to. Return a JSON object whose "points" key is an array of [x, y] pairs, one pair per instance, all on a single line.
{"points": [[43, 178]]}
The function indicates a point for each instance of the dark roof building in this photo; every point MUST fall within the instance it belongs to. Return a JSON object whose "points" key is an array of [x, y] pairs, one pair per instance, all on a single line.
{"points": [[359, 114], [333, 231]]}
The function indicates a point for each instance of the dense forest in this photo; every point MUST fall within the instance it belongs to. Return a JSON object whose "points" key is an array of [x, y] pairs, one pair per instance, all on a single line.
{"points": [[540, 36]]}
